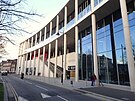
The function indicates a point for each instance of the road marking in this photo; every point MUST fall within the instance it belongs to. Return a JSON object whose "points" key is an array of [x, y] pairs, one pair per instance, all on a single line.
{"points": [[41, 87], [22, 99], [45, 96], [98, 96], [62, 98], [124, 98], [13, 91], [28, 82]]}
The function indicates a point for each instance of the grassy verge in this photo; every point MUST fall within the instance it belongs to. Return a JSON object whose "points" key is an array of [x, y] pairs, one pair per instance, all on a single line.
{"points": [[1, 92]]}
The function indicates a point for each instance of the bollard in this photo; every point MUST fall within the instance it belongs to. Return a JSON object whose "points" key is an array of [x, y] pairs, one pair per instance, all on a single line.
{"points": [[71, 83]]}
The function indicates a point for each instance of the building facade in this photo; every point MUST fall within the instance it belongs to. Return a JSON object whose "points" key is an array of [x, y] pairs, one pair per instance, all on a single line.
{"points": [[9, 66], [86, 37]]}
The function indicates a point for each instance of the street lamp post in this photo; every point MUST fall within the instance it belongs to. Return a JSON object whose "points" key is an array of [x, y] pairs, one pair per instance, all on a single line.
{"points": [[122, 50], [61, 59], [122, 54]]}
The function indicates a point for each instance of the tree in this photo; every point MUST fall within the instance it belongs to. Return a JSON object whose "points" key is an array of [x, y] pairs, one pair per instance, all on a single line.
{"points": [[11, 14]]}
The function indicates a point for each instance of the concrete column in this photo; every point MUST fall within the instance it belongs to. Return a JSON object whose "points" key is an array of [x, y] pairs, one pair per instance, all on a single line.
{"points": [[18, 64], [26, 64], [93, 18], [40, 36], [28, 43], [50, 28], [56, 46], [65, 21], [92, 5], [32, 42], [23, 65], [19, 59], [36, 39], [95, 47], [76, 55], [38, 70], [56, 51], [64, 61], [20, 49], [45, 33], [30, 64], [25, 45], [43, 61], [130, 59], [23, 62], [34, 62], [49, 55], [76, 11], [57, 24]]}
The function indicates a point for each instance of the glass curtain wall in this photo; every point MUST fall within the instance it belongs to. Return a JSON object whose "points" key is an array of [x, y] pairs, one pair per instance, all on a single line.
{"points": [[123, 76], [104, 51], [111, 51], [85, 54], [131, 18]]}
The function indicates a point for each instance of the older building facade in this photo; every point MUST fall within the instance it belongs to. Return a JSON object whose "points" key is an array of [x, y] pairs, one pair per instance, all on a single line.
{"points": [[86, 37], [9, 65]]}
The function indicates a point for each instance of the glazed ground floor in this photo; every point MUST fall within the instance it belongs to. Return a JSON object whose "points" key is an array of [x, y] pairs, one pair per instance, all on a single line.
{"points": [[97, 45]]}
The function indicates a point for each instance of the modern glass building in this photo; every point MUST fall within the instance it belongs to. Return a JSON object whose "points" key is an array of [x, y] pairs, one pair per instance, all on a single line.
{"points": [[86, 37]]}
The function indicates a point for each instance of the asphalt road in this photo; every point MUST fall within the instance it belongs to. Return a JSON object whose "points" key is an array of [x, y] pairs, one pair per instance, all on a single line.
{"points": [[30, 90]]}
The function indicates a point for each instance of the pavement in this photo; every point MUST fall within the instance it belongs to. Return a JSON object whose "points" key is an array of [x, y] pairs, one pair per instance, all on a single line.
{"points": [[111, 93], [107, 92]]}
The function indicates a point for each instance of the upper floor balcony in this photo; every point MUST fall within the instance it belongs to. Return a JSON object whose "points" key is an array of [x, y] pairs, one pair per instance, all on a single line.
{"points": [[84, 12], [96, 2], [84, 9], [70, 23]]}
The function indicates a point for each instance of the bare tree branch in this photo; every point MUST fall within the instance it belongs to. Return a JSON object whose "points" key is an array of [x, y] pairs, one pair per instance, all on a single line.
{"points": [[10, 15], [4, 3]]}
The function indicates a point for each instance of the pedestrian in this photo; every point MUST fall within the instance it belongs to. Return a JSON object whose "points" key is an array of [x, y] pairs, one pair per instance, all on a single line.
{"points": [[62, 79], [93, 78], [22, 75], [100, 80]]}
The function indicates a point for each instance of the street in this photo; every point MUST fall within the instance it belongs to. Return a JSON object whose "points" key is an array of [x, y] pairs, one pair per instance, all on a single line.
{"points": [[30, 90]]}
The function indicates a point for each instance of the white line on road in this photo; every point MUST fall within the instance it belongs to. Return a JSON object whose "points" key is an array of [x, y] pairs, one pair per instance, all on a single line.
{"points": [[41, 87], [44, 95], [13, 91], [28, 82], [125, 99], [22, 99], [62, 98]]}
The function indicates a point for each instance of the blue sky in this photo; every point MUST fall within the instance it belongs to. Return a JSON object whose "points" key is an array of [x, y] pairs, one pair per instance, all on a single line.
{"points": [[48, 8]]}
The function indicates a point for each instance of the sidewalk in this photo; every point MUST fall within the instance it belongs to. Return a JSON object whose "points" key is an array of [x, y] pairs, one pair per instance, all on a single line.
{"points": [[106, 93], [113, 93]]}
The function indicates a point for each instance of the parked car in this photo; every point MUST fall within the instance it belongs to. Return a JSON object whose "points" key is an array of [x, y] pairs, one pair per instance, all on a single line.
{"points": [[4, 73]]}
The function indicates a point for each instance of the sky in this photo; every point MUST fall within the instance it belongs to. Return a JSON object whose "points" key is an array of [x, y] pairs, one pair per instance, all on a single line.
{"points": [[47, 8]]}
